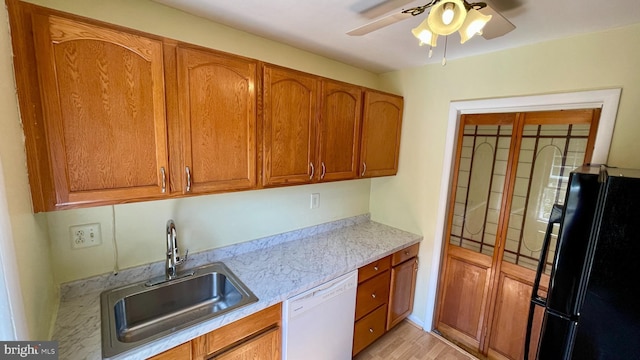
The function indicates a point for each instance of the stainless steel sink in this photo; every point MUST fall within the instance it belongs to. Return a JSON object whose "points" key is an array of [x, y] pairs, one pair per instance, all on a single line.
{"points": [[136, 314]]}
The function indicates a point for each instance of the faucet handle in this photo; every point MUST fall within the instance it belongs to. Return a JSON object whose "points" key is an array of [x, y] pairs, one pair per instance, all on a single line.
{"points": [[183, 260]]}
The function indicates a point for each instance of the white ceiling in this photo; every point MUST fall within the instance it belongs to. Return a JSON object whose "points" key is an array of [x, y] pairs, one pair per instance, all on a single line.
{"points": [[320, 26]]}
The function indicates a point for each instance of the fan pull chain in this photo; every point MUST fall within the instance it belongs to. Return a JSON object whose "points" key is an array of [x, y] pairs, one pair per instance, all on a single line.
{"points": [[444, 56]]}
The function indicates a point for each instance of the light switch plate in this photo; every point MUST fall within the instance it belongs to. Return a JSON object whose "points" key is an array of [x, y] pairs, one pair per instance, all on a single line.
{"points": [[86, 235], [315, 201]]}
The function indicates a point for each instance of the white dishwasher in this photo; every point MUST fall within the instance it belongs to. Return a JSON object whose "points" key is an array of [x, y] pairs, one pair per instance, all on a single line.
{"points": [[318, 323]]}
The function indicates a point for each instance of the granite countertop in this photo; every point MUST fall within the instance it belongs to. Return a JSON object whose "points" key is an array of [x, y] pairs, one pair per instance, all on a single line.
{"points": [[274, 268]]}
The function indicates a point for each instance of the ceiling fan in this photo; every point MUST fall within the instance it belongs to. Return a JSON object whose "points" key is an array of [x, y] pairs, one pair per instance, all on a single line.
{"points": [[444, 16]]}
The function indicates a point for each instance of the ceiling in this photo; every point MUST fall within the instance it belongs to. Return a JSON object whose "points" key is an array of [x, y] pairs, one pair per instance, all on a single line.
{"points": [[320, 26]]}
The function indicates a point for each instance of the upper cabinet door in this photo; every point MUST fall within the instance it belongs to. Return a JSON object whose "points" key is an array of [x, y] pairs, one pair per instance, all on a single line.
{"points": [[217, 107], [290, 110], [382, 121], [104, 111], [339, 131]]}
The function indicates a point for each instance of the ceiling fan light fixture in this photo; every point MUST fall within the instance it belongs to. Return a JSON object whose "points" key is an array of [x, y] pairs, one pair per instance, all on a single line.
{"points": [[453, 11], [423, 33], [448, 13], [473, 24]]}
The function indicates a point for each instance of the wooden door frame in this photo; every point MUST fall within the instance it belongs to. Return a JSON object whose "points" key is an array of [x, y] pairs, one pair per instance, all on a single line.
{"points": [[607, 100]]}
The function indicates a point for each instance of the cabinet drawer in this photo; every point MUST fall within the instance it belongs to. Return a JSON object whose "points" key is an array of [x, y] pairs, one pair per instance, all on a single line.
{"points": [[263, 346], [404, 254], [377, 267], [368, 329], [180, 352], [244, 328], [372, 293]]}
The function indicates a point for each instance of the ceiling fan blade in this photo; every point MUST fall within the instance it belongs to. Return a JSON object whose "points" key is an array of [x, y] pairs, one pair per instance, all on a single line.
{"points": [[379, 24], [504, 5], [497, 26], [384, 8]]}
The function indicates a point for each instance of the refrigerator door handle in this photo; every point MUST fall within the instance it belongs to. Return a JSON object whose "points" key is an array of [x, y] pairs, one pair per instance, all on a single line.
{"points": [[554, 218]]}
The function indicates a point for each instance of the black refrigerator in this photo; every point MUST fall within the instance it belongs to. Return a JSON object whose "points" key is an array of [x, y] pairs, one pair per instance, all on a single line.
{"points": [[592, 310]]}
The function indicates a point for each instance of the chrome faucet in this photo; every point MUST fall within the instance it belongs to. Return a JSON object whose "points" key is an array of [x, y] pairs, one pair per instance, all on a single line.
{"points": [[173, 256]]}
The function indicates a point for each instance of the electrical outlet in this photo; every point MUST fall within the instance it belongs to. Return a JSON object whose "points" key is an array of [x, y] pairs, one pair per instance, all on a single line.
{"points": [[86, 235], [315, 201]]}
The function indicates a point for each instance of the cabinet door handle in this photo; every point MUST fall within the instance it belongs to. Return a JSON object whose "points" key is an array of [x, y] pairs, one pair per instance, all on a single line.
{"points": [[188, 178], [164, 180], [313, 170], [364, 168], [373, 295], [324, 171], [371, 330]]}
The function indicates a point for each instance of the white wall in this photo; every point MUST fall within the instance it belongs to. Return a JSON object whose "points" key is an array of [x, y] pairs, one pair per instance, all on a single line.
{"points": [[410, 199]]}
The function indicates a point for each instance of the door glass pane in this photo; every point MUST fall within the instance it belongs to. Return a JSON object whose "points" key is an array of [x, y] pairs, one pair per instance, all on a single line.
{"points": [[548, 154], [478, 194]]}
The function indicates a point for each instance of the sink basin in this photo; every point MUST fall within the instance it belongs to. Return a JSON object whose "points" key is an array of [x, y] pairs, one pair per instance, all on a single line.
{"points": [[136, 314]]}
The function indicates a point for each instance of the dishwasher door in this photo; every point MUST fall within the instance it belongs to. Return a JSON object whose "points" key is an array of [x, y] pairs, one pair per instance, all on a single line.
{"points": [[318, 324]]}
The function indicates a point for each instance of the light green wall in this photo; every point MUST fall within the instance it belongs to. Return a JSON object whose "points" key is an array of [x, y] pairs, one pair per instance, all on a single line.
{"points": [[203, 222], [154, 18], [596, 61], [407, 201], [43, 248], [29, 231]]}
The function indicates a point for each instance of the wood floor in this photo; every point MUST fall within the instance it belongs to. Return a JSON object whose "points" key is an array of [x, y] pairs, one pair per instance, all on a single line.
{"points": [[408, 342]]}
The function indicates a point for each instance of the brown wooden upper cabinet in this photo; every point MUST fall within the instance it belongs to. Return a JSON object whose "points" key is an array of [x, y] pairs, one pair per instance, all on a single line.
{"points": [[311, 128], [290, 101], [339, 131], [382, 121], [113, 115], [103, 101], [217, 117]]}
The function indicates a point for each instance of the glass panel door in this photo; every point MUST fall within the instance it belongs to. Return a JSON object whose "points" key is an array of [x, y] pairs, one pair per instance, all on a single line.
{"points": [[481, 176], [511, 168], [548, 153]]}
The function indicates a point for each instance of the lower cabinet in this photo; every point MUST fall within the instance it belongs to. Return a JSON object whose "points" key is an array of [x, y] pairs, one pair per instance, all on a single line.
{"points": [[256, 337], [371, 303], [180, 352], [385, 296], [369, 329], [264, 346], [404, 268]]}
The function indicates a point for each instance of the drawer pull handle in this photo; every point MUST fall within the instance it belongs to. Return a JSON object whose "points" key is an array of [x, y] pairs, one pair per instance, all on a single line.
{"points": [[164, 180], [375, 268], [188, 171], [406, 252], [373, 295], [371, 330]]}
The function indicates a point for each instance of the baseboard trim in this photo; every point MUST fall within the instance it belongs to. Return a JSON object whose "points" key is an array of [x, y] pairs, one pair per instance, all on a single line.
{"points": [[416, 321]]}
